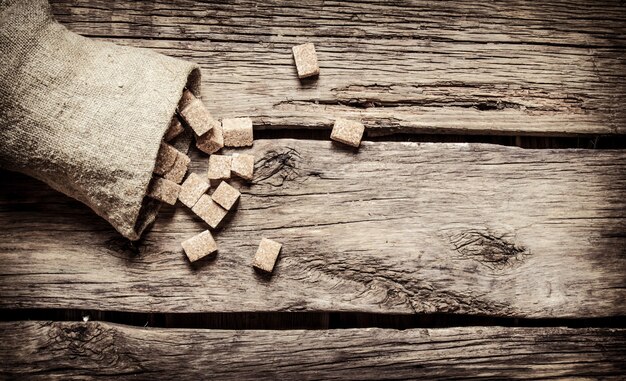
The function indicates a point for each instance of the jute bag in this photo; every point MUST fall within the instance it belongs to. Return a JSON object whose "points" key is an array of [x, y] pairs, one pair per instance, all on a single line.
{"points": [[84, 116]]}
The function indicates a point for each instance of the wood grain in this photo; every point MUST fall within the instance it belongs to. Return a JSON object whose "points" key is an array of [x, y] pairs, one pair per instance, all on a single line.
{"points": [[470, 67], [71, 350], [393, 228]]}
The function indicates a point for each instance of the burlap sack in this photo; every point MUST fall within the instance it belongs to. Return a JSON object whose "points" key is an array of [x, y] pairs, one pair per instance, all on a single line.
{"points": [[85, 116]]}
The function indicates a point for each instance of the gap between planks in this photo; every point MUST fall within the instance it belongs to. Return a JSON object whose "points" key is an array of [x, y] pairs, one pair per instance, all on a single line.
{"points": [[298, 320]]}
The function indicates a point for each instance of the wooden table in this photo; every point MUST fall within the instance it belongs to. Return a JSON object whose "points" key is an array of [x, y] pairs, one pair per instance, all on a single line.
{"points": [[496, 261]]}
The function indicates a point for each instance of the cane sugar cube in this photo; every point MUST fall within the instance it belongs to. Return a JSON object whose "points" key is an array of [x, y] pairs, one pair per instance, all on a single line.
{"points": [[225, 195], [213, 140], [178, 171], [176, 128], [193, 112], [243, 166], [219, 167], [165, 159], [199, 246], [306, 60], [192, 189], [347, 132], [266, 255], [209, 211], [237, 132], [164, 190]]}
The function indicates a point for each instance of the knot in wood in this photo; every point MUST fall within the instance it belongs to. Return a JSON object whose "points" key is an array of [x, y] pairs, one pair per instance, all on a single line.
{"points": [[278, 166], [490, 249]]}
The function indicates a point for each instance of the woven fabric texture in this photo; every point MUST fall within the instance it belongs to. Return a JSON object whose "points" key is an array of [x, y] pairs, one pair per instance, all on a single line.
{"points": [[85, 116]]}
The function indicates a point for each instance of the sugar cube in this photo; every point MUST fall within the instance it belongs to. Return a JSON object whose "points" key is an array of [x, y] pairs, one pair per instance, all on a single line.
{"points": [[164, 190], [209, 211], [176, 128], [193, 112], [199, 246], [266, 255], [219, 167], [347, 132], [225, 195], [237, 132], [213, 140], [192, 189], [166, 157], [178, 171], [306, 60], [243, 166]]}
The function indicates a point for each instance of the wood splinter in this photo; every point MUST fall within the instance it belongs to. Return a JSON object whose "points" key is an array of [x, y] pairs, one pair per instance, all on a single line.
{"points": [[266, 255]]}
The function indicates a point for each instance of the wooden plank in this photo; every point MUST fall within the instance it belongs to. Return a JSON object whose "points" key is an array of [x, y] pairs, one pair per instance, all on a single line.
{"points": [[509, 67], [73, 350], [395, 228]]}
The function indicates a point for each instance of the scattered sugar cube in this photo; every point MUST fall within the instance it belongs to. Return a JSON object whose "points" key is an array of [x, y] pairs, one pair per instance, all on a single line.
{"points": [[209, 211], [347, 132], [178, 171], [165, 159], [176, 128], [164, 190], [213, 140], [219, 167], [225, 195], [193, 112], [192, 189], [237, 132], [306, 60], [199, 246], [243, 166], [266, 255]]}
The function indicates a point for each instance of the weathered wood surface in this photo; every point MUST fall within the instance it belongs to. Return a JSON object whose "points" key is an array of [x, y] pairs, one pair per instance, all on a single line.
{"points": [[71, 350], [508, 67], [394, 228]]}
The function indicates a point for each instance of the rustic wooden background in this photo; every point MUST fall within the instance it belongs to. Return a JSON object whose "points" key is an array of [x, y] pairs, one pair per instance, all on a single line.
{"points": [[480, 230]]}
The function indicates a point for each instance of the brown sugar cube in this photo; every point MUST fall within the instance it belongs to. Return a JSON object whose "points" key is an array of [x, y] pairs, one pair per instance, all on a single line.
{"points": [[164, 190], [225, 195], [209, 211], [243, 166], [347, 132], [165, 159], [213, 140], [306, 60], [219, 167], [178, 171], [266, 255], [193, 112], [192, 189], [176, 128], [237, 132], [199, 246]]}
